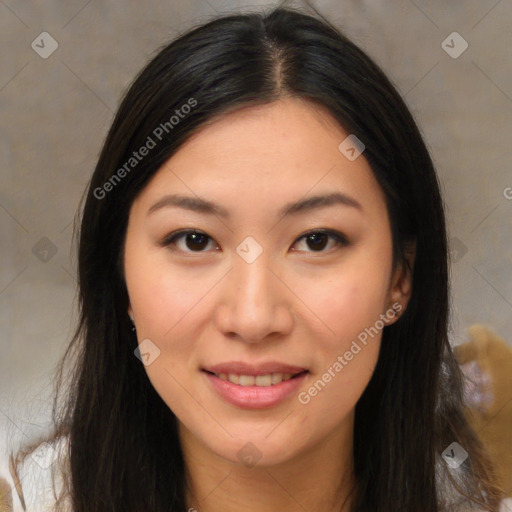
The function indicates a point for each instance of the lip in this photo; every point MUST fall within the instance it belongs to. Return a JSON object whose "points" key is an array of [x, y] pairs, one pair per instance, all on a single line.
{"points": [[241, 368], [255, 397]]}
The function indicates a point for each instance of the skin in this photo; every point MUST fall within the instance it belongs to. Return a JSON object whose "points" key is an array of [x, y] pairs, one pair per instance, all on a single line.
{"points": [[204, 304]]}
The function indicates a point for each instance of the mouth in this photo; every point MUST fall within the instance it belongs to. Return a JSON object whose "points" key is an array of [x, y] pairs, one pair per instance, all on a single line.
{"points": [[255, 392], [265, 380]]}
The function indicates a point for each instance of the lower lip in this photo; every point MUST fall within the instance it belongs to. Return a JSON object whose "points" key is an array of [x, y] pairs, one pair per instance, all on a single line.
{"points": [[255, 397]]}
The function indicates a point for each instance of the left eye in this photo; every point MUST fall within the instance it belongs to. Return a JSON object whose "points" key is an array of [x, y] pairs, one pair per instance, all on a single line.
{"points": [[318, 239], [197, 240]]}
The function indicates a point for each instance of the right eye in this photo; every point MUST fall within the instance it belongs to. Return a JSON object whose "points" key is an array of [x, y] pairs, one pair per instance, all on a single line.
{"points": [[195, 239]]}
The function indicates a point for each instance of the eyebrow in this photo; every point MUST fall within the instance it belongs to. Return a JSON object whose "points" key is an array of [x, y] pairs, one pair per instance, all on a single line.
{"points": [[302, 206]]}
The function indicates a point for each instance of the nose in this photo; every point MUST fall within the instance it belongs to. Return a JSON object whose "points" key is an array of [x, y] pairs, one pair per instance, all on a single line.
{"points": [[255, 302]]}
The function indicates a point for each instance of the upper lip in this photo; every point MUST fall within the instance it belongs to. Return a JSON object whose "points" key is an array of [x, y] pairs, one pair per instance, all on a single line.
{"points": [[241, 368]]}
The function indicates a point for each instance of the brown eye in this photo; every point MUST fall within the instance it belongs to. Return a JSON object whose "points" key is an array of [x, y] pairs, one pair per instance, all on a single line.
{"points": [[195, 241], [317, 240]]}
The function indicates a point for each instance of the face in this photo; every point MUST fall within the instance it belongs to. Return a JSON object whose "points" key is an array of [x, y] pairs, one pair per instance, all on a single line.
{"points": [[311, 288]]}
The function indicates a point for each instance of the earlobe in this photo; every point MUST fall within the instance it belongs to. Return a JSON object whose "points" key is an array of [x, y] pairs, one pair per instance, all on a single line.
{"points": [[404, 281], [401, 287], [130, 315]]}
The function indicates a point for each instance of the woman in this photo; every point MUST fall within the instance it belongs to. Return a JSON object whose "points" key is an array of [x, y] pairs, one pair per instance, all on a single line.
{"points": [[225, 357]]}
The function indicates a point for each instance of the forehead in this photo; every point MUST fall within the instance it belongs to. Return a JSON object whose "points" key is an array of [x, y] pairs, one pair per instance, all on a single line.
{"points": [[292, 129], [266, 155]]}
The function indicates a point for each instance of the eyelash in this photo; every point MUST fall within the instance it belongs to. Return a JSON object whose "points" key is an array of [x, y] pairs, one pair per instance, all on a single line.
{"points": [[339, 238]]}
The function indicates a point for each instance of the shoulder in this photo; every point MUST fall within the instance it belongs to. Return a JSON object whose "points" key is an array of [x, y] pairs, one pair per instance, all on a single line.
{"points": [[38, 482]]}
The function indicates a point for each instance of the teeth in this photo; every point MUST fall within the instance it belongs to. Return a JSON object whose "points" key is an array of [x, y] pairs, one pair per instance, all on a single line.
{"points": [[260, 380], [246, 380], [263, 380], [233, 378], [276, 378]]}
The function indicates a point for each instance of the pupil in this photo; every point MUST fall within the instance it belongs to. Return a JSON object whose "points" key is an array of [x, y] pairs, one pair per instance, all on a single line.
{"points": [[314, 237], [194, 237]]}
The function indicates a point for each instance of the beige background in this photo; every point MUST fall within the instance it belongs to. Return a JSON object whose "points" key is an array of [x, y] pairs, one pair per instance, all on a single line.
{"points": [[56, 111]]}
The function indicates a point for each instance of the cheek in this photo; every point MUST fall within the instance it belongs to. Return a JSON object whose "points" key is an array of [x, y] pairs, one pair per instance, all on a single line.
{"points": [[349, 304], [164, 301], [160, 294], [349, 300], [347, 352], [167, 302]]}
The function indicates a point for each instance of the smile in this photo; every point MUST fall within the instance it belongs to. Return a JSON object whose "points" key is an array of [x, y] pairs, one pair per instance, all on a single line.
{"points": [[270, 379], [255, 392]]}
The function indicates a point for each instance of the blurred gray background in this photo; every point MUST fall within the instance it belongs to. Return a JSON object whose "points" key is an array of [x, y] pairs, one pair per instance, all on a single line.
{"points": [[57, 110]]}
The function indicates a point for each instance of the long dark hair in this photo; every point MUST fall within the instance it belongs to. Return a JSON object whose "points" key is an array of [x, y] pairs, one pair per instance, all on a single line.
{"points": [[124, 448]]}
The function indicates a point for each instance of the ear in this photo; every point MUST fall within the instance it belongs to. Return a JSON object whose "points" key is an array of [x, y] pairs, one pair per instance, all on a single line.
{"points": [[401, 282], [130, 311]]}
